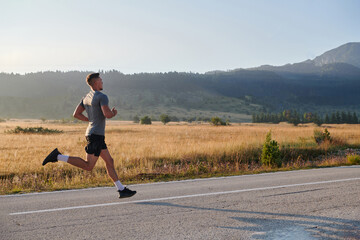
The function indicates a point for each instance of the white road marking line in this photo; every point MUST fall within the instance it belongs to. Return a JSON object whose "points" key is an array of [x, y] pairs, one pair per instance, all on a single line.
{"points": [[180, 197], [171, 182]]}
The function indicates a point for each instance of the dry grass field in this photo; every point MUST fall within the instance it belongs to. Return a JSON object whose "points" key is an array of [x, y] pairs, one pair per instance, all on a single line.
{"points": [[157, 152]]}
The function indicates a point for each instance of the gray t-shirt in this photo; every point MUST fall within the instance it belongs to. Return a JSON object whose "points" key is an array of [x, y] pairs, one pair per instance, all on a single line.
{"points": [[92, 103]]}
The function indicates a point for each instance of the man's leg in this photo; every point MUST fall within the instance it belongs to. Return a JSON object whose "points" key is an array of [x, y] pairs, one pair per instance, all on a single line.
{"points": [[87, 165], [109, 162]]}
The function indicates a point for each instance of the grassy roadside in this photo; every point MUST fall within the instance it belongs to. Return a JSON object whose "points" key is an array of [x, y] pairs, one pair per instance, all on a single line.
{"points": [[60, 180], [163, 153]]}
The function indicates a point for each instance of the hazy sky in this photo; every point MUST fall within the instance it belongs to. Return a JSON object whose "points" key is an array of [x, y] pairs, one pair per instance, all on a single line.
{"points": [[170, 35]]}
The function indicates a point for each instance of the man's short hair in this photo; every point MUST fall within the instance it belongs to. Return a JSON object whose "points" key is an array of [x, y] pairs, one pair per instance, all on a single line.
{"points": [[90, 79]]}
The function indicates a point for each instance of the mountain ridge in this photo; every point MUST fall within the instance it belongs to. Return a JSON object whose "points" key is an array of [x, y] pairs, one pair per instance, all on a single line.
{"points": [[348, 53], [233, 95]]}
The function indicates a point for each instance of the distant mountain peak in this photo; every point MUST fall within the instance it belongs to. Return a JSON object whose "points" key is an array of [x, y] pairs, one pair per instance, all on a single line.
{"points": [[348, 53]]}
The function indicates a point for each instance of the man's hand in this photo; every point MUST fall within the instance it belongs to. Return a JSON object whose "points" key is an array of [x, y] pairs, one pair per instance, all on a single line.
{"points": [[114, 111], [107, 112]]}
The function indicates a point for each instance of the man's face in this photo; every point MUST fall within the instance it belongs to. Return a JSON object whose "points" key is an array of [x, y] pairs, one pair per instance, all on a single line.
{"points": [[99, 84]]}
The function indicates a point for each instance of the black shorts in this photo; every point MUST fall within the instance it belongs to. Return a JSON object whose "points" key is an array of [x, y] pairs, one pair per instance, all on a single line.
{"points": [[96, 143]]}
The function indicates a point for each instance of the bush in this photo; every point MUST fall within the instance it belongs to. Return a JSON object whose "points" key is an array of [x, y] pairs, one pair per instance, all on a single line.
{"points": [[216, 121], [145, 120], [190, 119], [270, 155], [320, 137], [38, 130], [2, 120], [164, 118], [353, 159]]}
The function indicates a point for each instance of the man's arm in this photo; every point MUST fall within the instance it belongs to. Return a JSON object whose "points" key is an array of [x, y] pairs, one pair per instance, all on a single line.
{"points": [[78, 113], [107, 112]]}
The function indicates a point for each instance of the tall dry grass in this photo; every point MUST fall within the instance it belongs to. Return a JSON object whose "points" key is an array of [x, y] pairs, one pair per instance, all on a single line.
{"points": [[154, 152]]}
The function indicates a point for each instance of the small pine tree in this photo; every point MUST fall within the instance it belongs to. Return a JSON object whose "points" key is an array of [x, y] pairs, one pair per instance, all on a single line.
{"points": [[343, 117], [327, 119], [317, 119], [355, 119], [270, 155], [349, 118], [257, 118], [320, 137], [338, 117], [327, 135]]}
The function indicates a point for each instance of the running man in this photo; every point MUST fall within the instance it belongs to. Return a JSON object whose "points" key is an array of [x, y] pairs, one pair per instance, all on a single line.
{"points": [[96, 106]]}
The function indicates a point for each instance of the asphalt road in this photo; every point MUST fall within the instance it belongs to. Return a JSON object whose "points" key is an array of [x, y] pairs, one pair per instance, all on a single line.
{"points": [[307, 204]]}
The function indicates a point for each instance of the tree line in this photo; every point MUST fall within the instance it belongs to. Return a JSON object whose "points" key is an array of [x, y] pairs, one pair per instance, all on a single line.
{"points": [[294, 117], [164, 118], [235, 92]]}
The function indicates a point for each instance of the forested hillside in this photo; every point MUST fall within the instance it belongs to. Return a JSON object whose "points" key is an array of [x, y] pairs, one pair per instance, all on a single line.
{"points": [[233, 95]]}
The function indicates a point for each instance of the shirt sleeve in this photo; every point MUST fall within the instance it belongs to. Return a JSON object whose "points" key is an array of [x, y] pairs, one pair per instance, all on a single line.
{"points": [[104, 100], [81, 103]]}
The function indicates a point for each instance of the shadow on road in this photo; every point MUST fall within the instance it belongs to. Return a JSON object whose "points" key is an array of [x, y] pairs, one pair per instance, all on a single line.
{"points": [[266, 225]]}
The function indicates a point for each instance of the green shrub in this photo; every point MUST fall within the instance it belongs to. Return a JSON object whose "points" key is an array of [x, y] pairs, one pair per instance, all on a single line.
{"points": [[164, 118], [2, 120], [320, 137], [270, 155], [38, 130], [216, 121], [353, 159], [145, 120]]}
